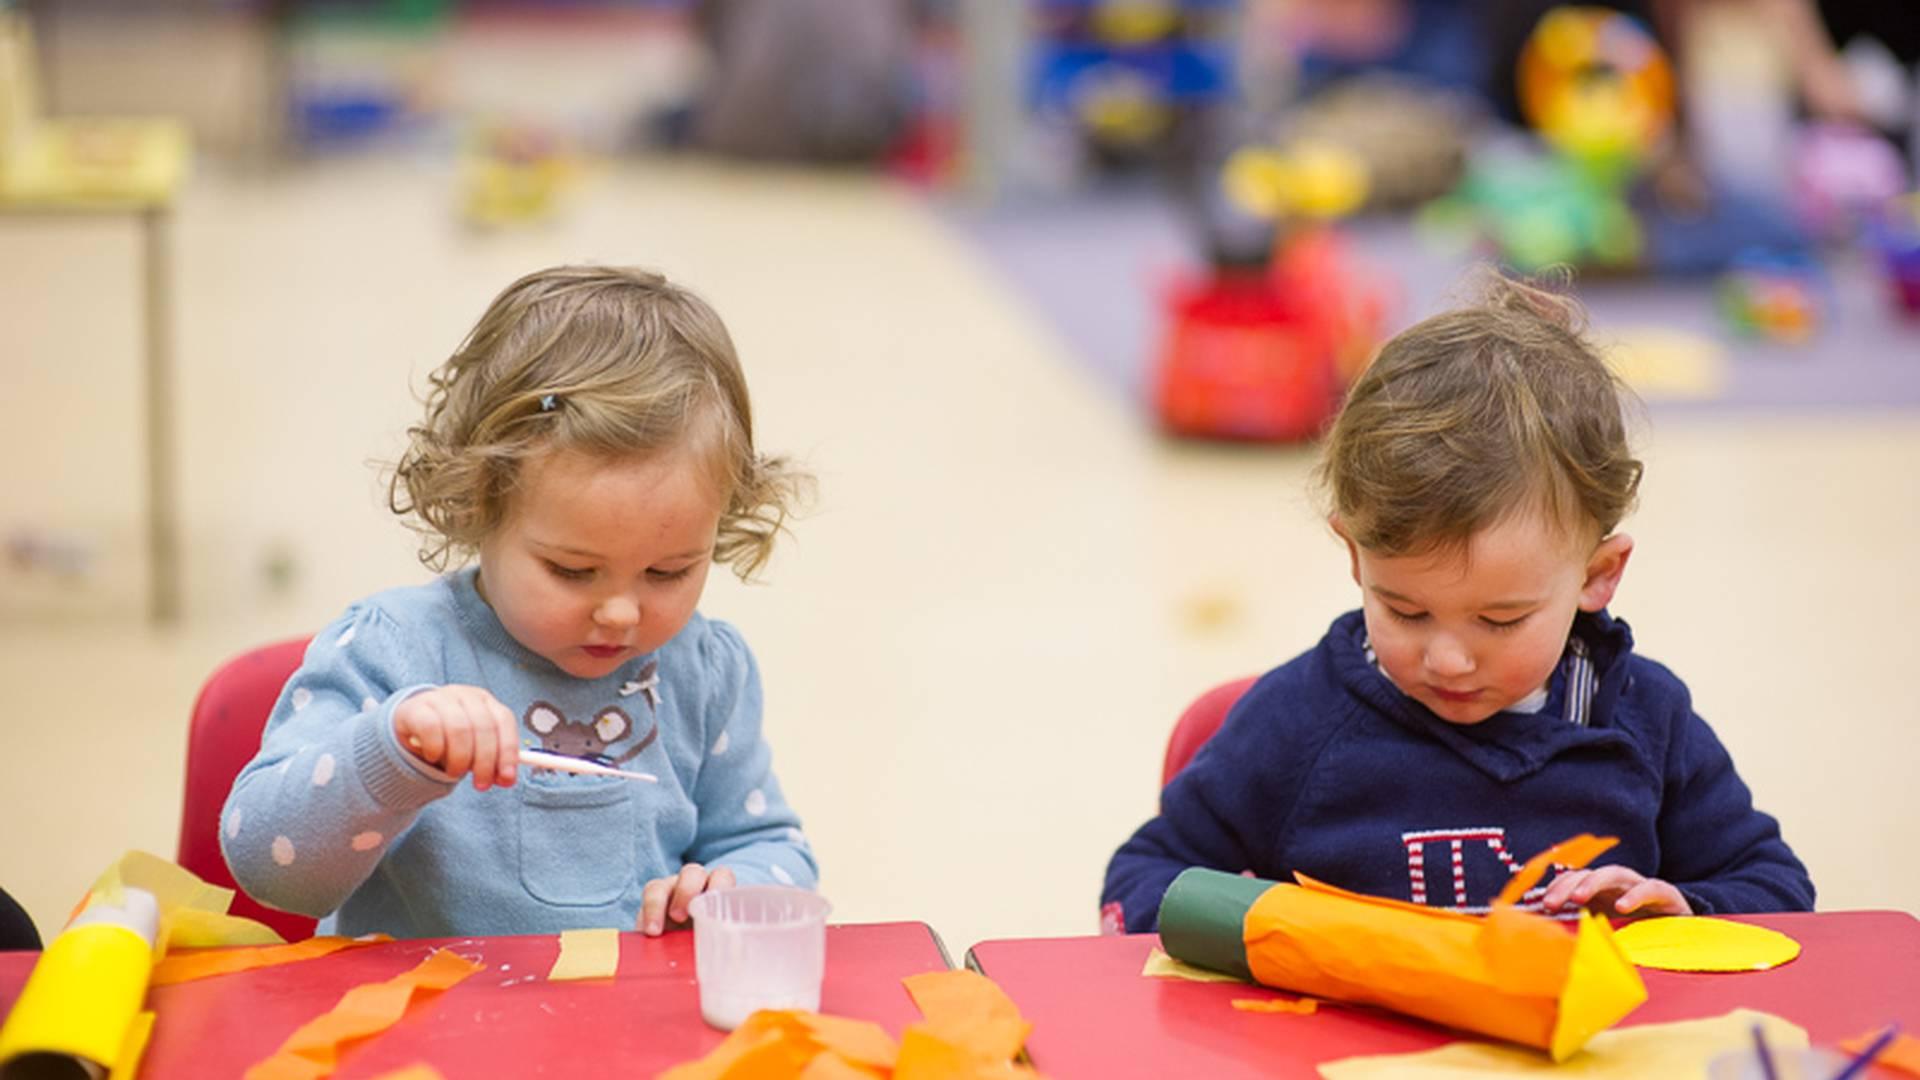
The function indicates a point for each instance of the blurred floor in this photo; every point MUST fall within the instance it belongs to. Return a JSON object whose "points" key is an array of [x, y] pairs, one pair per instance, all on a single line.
{"points": [[974, 646]]}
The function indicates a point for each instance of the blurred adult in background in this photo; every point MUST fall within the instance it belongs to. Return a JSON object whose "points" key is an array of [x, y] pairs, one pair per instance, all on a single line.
{"points": [[805, 80]]}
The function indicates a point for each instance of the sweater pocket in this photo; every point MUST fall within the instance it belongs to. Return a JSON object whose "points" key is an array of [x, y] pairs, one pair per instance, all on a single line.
{"points": [[576, 841]]}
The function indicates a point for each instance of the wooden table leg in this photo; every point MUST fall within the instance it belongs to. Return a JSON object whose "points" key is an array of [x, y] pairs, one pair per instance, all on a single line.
{"points": [[163, 539]]}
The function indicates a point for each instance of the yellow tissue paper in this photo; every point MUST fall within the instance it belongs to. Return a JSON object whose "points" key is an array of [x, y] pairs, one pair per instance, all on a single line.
{"points": [[1702, 943], [1161, 966], [83, 999], [1629, 1053]]}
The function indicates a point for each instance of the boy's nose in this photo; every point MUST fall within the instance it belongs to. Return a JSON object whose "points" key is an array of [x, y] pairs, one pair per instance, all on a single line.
{"points": [[617, 612], [1446, 658]]}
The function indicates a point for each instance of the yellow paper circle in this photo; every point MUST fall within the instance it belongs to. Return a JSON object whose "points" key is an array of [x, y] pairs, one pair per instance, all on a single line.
{"points": [[1699, 943]]}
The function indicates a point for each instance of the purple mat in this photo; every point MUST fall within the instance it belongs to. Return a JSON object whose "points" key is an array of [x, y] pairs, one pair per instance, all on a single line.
{"points": [[1093, 267]]}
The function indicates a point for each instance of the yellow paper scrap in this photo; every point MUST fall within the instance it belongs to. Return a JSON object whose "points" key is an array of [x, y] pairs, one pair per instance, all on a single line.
{"points": [[1626, 1053], [586, 954], [1161, 966], [138, 1034], [1702, 943], [1300, 1006]]}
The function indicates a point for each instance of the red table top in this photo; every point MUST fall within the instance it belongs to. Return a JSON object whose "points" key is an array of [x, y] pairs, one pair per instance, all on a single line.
{"points": [[506, 1020], [1095, 1015]]}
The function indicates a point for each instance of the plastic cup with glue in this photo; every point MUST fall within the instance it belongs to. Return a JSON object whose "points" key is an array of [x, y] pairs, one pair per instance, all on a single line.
{"points": [[758, 947]]}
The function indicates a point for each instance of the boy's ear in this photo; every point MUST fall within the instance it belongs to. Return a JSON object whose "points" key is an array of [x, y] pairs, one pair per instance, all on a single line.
{"points": [[1604, 568], [1353, 552]]}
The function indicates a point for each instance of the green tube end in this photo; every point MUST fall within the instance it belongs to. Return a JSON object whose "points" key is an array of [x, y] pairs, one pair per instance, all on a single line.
{"points": [[1203, 918]]}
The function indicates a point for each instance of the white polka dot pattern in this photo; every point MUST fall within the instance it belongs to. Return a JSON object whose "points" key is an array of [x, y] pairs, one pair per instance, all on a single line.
{"points": [[756, 802], [345, 639], [366, 841], [720, 744], [283, 851], [323, 770], [780, 875], [302, 697], [233, 823]]}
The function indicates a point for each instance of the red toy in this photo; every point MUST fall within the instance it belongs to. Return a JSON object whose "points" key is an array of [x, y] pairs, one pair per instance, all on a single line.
{"points": [[1264, 355]]}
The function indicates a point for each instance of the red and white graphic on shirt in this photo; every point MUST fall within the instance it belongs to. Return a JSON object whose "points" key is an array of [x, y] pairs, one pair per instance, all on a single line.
{"points": [[1456, 843]]}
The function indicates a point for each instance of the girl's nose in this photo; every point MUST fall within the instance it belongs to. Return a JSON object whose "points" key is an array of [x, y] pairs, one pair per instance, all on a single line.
{"points": [[1446, 657], [617, 612]]}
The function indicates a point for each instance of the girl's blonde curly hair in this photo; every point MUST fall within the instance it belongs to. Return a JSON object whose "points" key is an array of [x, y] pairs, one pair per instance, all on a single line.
{"points": [[602, 360], [1469, 416]]}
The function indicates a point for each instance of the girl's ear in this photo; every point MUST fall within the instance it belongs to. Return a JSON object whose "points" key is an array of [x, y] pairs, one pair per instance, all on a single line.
{"points": [[1604, 567], [1353, 552]]}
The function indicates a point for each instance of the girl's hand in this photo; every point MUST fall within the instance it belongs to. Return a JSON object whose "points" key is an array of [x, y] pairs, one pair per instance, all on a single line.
{"points": [[1614, 890], [664, 901], [460, 730]]}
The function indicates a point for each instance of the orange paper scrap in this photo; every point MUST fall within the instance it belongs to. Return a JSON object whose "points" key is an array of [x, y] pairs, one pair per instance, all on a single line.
{"points": [[189, 964], [367, 1009], [1510, 974], [1902, 1054], [970, 1010], [412, 1072], [972, 1032]]}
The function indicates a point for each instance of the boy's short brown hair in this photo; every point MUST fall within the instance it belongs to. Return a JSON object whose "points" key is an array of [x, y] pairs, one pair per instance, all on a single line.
{"points": [[1476, 414]]}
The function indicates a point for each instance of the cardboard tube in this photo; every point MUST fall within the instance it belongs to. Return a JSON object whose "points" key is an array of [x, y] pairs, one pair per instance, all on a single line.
{"points": [[82, 998]]}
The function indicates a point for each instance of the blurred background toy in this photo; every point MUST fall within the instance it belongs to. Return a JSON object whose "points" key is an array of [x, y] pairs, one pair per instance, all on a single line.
{"points": [[1132, 80], [1780, 298], [515, 174], [1894, 236], [1842, 175], [1263, 352]]}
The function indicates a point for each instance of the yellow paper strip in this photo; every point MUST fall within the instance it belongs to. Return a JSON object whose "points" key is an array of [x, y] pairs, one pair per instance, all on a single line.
{"points": [[1631, 1053], [1299, 1006], [138, 1034], [586, 954], [186, 966], [1161, 966], [365, 1010]]}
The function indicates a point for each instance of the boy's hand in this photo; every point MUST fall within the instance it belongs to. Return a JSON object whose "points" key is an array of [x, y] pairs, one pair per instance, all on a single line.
{"points": [[461, 730], [1614, 890], [664, 901]]}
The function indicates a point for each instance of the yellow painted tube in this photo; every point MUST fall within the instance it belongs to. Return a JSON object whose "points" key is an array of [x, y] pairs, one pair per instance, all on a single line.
{"points": [[84, 994]]}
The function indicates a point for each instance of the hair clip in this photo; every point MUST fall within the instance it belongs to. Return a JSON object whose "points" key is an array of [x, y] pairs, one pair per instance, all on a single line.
{"points": [[548, 404]]}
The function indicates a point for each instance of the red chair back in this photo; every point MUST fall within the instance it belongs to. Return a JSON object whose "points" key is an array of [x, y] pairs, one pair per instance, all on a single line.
{"points": [[1198, 723], [223, 737]]}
